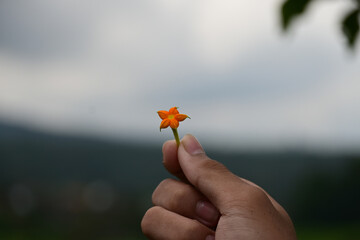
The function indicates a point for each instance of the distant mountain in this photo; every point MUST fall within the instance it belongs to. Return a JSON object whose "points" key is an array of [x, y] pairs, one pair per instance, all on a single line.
{"points": [[51, 155], [52, 161], [27, 154], [31, 155]]}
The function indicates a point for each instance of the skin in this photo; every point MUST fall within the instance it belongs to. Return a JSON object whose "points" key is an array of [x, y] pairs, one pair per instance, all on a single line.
{"points": [[209, 202]]}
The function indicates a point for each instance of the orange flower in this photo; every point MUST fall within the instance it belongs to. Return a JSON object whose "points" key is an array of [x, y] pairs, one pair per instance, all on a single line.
{"points": [[171, 118]]}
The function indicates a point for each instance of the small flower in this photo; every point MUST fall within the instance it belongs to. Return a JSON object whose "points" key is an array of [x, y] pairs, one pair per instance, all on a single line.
{"points": [[171, 118]]}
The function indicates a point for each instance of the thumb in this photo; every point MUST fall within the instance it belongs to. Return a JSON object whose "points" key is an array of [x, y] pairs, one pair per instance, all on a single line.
{"points": [[210, 177]]}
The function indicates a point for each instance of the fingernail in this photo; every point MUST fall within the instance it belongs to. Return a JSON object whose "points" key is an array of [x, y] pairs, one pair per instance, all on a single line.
{"points": [[210, 237], [191, 145], [207, 212]]}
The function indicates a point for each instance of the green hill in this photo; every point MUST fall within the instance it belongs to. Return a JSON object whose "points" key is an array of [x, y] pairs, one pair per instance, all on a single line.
{"points": [[60, 172]]}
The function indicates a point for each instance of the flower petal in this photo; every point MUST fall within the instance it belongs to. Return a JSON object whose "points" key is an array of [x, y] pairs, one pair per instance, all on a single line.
{"points": [[165, 123], [174, 123], [173, 110], [163, 114], [181, 117]]}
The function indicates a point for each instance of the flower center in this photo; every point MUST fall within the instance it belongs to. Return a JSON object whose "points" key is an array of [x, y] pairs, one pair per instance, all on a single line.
{"points": [[171, 116]]}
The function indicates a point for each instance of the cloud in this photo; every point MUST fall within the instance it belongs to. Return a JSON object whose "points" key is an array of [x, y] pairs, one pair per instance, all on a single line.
{"points": [[107, 67], [41, 29]]}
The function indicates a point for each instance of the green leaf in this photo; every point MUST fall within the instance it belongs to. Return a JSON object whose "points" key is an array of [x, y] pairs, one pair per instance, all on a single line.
{"points": [[350, 27], [292, 9]]}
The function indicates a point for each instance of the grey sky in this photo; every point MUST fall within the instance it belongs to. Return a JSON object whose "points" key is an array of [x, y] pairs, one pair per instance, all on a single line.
{"points": [[106, 67]]}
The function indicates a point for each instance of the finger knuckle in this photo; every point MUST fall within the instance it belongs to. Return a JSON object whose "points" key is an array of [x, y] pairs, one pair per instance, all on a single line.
{"points": [[250, 197], [163, 186], [256, 195], [208, 167], [178, 196], [148, 219], [253, 196]]}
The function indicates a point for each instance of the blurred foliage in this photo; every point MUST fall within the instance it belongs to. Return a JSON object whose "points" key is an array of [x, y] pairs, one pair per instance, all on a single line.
{"points": [[292, 9], [326, 232], [58, 170], [323, 197], [350, 26]]}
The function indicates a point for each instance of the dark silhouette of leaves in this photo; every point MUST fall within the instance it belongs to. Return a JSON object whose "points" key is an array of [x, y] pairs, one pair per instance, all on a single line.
{"points": [[292, 9], [350, 27]]}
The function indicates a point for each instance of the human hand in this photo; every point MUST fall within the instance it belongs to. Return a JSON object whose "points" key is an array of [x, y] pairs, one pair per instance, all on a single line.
{"points": [[210, 202]]}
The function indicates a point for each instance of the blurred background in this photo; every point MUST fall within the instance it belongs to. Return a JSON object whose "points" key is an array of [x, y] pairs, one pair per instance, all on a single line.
{"points": [[81, 81]]}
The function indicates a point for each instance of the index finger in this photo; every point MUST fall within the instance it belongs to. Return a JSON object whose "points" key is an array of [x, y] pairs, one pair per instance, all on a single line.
{"points": [[170, 160]]}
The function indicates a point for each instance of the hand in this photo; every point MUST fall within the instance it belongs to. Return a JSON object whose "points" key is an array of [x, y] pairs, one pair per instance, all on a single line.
{"points": [[210, 202]]}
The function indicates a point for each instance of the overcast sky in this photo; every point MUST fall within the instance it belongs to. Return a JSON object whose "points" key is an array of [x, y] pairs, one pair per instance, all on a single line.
{"points": [[106, 67]]}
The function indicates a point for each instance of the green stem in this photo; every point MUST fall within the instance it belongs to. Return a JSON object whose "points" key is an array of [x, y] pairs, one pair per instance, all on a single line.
{"points": [[176, 135]]}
